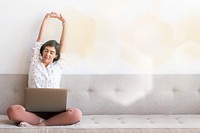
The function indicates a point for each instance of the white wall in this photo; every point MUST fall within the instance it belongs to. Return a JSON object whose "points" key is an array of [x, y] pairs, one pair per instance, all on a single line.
{"points": [[20, 21], [107, 36]]}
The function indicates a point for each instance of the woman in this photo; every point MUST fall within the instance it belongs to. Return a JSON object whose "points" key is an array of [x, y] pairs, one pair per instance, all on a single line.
{"points": [[45, 72]]}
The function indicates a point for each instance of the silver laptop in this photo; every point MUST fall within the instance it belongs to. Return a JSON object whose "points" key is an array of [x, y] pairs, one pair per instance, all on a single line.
{"points": [[45, 99]]}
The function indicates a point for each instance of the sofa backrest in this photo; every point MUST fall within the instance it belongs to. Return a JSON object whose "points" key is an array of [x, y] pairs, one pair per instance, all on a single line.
{"points": [[117, 94]]}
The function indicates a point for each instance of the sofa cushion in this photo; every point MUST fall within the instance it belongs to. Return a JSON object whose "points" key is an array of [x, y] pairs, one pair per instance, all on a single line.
{"points": [[124, 121]]}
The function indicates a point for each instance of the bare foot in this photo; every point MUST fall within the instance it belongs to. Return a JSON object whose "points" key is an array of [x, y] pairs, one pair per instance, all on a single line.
{"points": [[41, 123], [24, 124]]}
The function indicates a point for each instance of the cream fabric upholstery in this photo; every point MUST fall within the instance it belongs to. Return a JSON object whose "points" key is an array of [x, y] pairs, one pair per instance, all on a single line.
{"points": [[134, 94], [118, 103], [116, 124]]}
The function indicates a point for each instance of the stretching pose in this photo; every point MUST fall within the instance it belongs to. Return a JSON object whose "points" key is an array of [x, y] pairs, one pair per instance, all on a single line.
{"points": [[45, 71]]}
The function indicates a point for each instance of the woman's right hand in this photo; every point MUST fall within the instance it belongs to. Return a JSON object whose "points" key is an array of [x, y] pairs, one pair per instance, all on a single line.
{"points": [[48, 15]]}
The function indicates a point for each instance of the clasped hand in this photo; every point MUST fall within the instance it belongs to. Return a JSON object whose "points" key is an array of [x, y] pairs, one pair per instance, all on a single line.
{"points": [[55, 15]]}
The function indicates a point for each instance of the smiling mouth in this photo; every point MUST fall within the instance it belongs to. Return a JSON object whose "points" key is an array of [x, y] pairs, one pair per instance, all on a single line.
{"points": [[46, 58]]}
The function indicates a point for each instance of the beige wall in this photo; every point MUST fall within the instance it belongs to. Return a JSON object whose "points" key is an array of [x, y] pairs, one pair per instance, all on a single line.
{"points": [[107, 36]]}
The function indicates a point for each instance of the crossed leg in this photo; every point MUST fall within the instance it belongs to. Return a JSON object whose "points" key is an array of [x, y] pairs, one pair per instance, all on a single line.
{"points": [[18, 114]]}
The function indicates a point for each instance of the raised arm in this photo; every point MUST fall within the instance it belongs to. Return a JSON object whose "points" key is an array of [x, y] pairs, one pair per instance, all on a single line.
{"points": [[64, 30], [63, 34], [43, 27]]}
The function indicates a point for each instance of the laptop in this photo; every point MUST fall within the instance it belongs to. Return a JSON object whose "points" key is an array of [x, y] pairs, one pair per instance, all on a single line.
{"points": [[45, 99]]}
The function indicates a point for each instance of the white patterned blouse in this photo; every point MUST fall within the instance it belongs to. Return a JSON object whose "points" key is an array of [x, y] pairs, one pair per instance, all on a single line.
{"points": [[41, 76]]}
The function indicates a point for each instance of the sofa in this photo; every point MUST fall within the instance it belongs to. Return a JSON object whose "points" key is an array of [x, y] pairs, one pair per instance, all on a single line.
{"points": [[116, 103]]}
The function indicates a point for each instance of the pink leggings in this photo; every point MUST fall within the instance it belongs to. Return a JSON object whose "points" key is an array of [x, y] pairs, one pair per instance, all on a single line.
{"points": [[18, 113]]}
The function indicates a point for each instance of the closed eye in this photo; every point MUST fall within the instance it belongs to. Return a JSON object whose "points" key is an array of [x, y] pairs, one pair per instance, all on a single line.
{"points": [[46, 50], [52, 52]]}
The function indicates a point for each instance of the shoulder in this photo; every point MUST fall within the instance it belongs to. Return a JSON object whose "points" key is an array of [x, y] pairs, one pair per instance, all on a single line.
{"points": [[62, 61]]}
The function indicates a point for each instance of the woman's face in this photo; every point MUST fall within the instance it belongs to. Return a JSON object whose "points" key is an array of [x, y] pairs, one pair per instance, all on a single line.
{"points": [[48, 55]]}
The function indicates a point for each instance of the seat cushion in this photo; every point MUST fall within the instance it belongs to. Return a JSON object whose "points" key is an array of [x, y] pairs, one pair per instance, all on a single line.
{"points": [[125, 121]]}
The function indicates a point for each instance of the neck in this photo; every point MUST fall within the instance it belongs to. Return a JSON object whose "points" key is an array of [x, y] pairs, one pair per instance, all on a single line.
{"points": [[45, 64]]}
